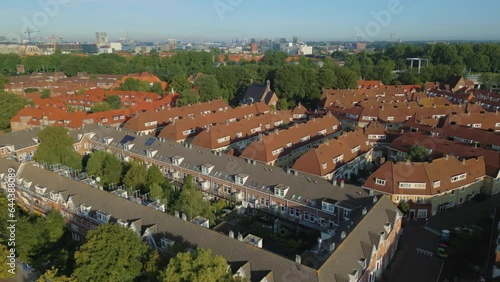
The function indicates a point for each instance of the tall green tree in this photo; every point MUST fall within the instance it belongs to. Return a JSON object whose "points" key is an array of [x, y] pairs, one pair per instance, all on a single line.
{"points": [[136, 177], [56, 147], [208, 88], [157, 88], [10, 104], [100, 107], [4, 260], [191, 202], [110, 253], [197, 267], [155, 176], [179, 83], [187, 97], [106, 166], [45, 94]]}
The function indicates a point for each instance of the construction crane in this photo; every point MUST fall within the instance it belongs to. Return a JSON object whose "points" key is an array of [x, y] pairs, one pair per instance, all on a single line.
{"points": [[29, 32], [392, 35], [54, 41]]}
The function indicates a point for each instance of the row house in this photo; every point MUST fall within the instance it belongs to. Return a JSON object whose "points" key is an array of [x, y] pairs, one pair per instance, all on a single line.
{"points": [[372, 233], [438, 147], [430, 187], [223, 137], [257, 186], [345, 98], [22, 145], [282, 147], [469, 135], [339, 158], [364, 253], [150, 121], [392, 115], [186, 128]]}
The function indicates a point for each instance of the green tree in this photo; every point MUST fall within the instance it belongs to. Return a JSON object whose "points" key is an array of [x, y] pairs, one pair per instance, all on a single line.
{"points": [[326, 78], [345, 78], [52, 275], [179, 83], [100, 107], [191, 201], [54, 225], [45, 94], [130, 84], [157, 88], [136, 177], [155, 176], [56, 147], [110, 253], [197, 267], [10, 104], [208, 88], [187, 97], [113, 101], [30, 90], [4, 268], [282, 104], [3, 81], [274, 58], [106, 166], [418, 154]]}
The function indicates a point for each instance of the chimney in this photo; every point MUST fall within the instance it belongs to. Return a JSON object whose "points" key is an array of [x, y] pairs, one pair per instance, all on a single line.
{"points": [[298, 259], [268, 84], [446, 157], [231, 234], [240, 237]]}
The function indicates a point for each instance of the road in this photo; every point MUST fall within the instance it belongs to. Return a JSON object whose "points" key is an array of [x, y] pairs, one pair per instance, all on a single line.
{"points": [[409, 264]]}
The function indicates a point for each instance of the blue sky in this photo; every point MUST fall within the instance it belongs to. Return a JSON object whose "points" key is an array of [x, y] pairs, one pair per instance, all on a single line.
{"points": [[226, 19]]}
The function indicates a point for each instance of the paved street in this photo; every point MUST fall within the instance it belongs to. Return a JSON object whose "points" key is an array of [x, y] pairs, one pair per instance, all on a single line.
{"points": [[412, 265]]}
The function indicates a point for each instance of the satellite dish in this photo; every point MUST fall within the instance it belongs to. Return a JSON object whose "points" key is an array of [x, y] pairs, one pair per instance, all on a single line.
{"points": [[98, 179]]}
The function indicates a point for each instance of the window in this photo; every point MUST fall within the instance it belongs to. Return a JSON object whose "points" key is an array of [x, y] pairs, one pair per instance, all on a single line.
{"points": [[458, 177], [239, 135], [75, 236], [104, 120], [283, 208], [380, 182], [223, 139], [322, 132], [355, 149], [338, 159], [306, 216], [305, 138], [422, 213], [406, 185], [324, 165], [334, 128], [328, 207], [257, 129], [436, 184], [115, 118], [278, 123], [346, 213], [476, 125], [277, 151], [289, 145], [390, 118]]}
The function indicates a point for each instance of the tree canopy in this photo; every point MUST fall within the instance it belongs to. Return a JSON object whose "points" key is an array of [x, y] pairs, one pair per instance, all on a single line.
{"points": [[191, 202], [110, 253], [418, 154], [56, 147], [136, 177], [106, 166], [197, 267], [10, 104]]}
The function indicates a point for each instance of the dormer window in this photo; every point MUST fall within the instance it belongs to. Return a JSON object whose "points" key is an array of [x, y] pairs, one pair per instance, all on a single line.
{"points": [[355, 149], [280, 190], [40, 190], [122, 223], [54, 196], [128, 146], [458, 177], [305, 138], [207, 168], [362, 263], [322, 132], [328, 207], [165, 243], [241, 178], [177, 160], [36, 140], [102, 216], [338, 159], [85, 210], [151, 153], [223, 139], [108, 140], [380, 182], [436, 184]]}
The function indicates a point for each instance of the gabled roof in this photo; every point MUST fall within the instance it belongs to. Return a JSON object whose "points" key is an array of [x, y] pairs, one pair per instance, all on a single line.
{"points": [[426, 174], [319, 161]]}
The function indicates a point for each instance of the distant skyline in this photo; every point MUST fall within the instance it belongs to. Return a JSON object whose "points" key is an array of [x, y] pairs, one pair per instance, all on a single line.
{"points": [[223, 20]]}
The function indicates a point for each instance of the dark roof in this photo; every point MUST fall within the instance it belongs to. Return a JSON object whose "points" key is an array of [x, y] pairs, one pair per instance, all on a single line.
{"points": [[359, 242], [120, 208], [258, 92]]}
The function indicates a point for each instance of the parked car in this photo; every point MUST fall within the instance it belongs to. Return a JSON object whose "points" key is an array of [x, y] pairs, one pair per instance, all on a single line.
{"points": [[442, 250]]}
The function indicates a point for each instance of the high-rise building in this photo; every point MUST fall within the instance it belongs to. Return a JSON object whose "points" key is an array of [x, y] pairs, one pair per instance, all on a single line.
{"points": [[101, 38], [296, 40]]}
